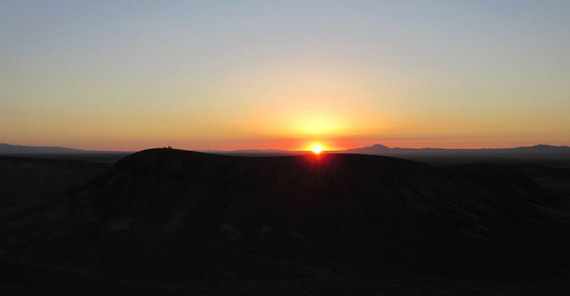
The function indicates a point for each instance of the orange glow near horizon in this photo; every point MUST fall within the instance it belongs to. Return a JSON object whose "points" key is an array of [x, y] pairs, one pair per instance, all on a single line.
{"points": [[290, 143]]}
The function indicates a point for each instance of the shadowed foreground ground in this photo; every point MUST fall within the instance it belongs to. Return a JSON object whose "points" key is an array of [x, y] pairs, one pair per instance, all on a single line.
{"points": [[173, 222]]}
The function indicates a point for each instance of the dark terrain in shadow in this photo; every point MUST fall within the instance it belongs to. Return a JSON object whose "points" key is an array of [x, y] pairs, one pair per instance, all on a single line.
{"points": [[172, 222]]}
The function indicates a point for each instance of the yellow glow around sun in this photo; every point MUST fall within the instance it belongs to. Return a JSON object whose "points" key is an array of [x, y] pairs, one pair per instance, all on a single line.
{"points": [[319, 125], [317, 149]]}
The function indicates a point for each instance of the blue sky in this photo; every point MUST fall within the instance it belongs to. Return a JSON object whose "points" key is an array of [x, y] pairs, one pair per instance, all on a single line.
{"points": [[279, 74]]}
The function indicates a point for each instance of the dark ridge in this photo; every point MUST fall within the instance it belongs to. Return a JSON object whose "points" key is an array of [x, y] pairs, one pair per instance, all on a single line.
{"points": [[166, 215], [16, 163], [512, 185], [23, 178], [538, 171]]}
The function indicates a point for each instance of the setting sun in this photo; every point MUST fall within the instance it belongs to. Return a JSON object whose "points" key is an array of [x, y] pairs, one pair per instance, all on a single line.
{"points": [[317, 149]]}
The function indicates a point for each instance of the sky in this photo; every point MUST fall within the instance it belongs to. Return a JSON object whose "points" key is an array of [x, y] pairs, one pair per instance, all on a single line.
{"points": [[131, 75]]}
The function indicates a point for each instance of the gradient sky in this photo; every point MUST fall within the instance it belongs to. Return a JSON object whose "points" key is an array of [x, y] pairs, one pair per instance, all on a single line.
{"points": [[129, 75]]}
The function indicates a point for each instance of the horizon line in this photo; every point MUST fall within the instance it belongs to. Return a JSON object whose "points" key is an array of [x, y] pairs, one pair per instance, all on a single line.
{"points": [[79, 150]]}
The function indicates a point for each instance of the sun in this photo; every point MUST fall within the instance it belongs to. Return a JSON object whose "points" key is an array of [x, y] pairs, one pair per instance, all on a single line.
{"points": [[317, 149]]}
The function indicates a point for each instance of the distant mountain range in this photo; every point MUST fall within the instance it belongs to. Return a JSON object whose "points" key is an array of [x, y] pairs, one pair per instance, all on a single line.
{"points": [[377, 149], [535, 150], [17, 149]]}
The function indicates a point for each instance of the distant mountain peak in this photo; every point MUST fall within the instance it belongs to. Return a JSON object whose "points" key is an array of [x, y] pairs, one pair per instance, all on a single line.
{"points": [[545, 146], [19, 149], [375, 147], [380, 146]]}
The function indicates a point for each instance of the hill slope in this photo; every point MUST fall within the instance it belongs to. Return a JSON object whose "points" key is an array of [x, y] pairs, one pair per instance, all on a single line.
{"points": [[171, 215]]}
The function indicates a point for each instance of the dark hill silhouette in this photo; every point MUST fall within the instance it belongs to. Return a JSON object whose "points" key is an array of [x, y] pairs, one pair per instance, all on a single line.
{"points": [[166, 215]]}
